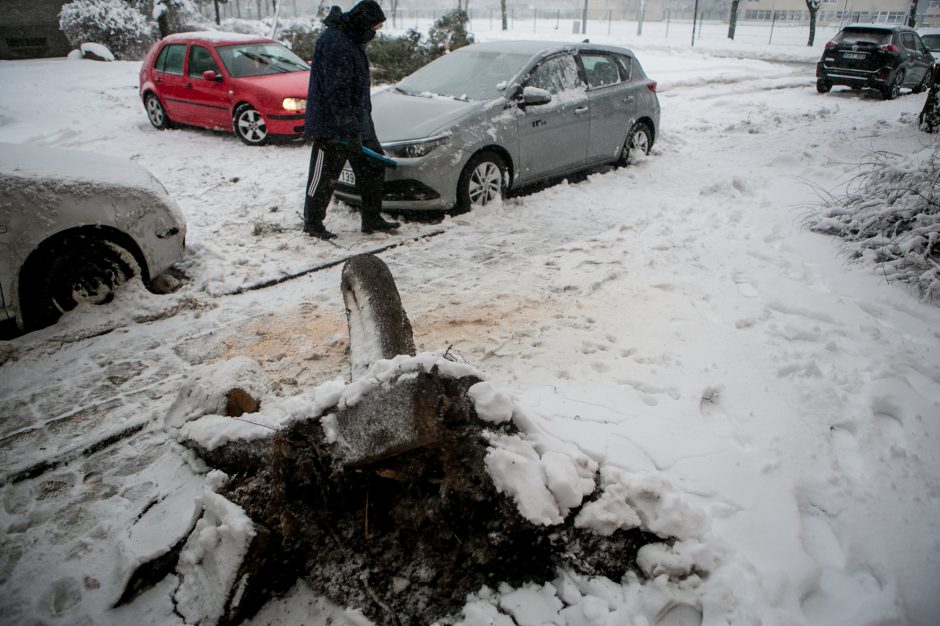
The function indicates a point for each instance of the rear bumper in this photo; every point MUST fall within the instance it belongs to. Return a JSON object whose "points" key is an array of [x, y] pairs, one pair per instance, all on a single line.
{"points": [[852, 77]]}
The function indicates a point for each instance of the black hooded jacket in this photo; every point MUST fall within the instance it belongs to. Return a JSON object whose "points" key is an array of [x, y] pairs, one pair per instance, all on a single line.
{"points": [[338, 98]]}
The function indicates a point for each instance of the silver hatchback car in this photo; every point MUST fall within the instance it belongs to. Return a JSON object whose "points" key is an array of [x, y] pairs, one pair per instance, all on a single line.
{"points": [[497, 116]]}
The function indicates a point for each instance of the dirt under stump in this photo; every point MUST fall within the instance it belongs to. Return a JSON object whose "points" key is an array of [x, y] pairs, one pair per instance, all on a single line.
{"points": [[406, 539]]}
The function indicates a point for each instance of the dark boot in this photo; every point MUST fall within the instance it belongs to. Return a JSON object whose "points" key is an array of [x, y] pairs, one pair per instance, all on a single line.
{"points": [[320, 232], [377, 224]]}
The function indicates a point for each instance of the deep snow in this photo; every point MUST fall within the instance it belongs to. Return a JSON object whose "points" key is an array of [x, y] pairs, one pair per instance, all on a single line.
{"points": [[740, 385]]}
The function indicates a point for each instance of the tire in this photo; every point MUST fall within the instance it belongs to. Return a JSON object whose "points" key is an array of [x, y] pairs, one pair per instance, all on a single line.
{"points": [[924, 85], [156, 113], [250, 126], [481, 182], [823, 86], [639, 140], [77, 268], [890, 92]]}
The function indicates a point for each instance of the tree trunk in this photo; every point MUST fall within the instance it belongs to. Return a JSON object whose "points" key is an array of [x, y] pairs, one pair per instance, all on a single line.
{"points": [[502, 6], [733, 20], [912, 16], [218, 19], [813, 6]]}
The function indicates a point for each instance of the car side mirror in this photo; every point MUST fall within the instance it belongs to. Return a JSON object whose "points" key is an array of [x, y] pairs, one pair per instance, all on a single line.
{"points": [[533, 96], [211, 75]]}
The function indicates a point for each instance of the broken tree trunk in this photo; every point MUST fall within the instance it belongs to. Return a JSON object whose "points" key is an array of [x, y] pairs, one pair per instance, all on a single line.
{"points": [[378, 325]]}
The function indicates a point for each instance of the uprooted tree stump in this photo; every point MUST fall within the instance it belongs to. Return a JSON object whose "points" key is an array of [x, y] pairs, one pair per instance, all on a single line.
{"points": [[387, 505]]}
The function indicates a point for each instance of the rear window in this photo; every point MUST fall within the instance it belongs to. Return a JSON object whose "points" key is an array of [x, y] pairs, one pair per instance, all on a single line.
{"points": [[876, 37], [171, 59]]}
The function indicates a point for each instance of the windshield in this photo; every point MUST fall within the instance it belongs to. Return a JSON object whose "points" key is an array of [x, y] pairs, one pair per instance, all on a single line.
{"points": [[257, 59], [875, 37], [465, 75], [932, 42]]}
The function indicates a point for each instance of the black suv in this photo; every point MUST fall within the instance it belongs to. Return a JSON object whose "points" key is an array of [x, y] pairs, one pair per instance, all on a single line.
{"points": [[884, 57]]}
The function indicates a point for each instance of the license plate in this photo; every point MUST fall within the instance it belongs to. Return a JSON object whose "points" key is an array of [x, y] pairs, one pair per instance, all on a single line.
{"points": [[853, 55], [347, 176]]}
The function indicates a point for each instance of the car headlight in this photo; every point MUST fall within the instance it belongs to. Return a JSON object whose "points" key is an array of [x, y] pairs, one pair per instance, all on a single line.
{"points": [[294, 104], [414, 149]]}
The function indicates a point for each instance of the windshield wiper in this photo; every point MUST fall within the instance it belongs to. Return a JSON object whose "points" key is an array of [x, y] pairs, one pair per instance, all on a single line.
{"points": [[285, 61], [260, 58]]}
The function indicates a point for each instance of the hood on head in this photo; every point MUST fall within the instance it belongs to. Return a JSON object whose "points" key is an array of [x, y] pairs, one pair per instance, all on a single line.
{"points": [[358, 22]]}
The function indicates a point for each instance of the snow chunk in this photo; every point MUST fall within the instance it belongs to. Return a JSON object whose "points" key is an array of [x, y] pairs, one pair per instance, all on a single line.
{"points": [[211, 558], [656, 559], [531, 605], [213, 431], [568, 479], [609, 513], [516, 469], [641, 500], [205, 392], [96, 51], [491, 404], [389, 371]]}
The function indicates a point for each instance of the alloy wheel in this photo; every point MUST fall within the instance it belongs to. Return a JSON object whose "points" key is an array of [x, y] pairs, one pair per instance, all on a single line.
{"points": [[250, 126], [485, 184]]}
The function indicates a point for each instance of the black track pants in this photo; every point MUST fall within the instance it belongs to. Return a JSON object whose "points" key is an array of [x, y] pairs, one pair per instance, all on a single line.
{"points": [[326, 162]]}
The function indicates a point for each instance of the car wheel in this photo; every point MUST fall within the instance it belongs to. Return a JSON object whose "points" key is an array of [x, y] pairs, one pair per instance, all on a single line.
{"points": [[481, 182], [890, 92], [823, 86], [156, 112], [924, 85], [250, 126], [79, 268], [639, 141]]}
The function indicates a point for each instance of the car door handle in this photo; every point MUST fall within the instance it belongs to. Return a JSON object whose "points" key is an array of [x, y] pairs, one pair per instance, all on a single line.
{"points": [[188, 85], [629, 99], [580, 110]]}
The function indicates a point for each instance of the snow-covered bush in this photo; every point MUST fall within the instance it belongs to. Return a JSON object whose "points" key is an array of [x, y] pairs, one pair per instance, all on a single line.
{"points": [[120, 27], [449, 33], [890, 215], [175, 16], [301, 36]]}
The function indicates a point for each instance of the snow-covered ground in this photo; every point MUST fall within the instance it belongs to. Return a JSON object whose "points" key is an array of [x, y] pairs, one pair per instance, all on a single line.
{"points": [[673, 321]]}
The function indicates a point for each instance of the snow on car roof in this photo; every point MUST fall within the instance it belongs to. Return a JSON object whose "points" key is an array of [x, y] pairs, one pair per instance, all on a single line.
{"points": [[533, 47], [214, 35], [39, 162]]}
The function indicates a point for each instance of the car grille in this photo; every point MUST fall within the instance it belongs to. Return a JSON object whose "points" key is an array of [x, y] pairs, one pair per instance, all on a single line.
{"points": [[398, 191]]}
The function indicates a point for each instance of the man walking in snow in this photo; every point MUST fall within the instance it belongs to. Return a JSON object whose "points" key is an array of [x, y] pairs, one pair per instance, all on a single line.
{"points": [[339, 118]]}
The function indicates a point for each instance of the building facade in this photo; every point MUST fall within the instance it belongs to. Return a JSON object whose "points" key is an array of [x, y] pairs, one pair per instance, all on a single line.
{"points": [[840, 12], [30, 29]]}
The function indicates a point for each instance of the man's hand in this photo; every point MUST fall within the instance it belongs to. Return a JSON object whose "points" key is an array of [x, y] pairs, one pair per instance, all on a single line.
{"points": [[355, 144]]}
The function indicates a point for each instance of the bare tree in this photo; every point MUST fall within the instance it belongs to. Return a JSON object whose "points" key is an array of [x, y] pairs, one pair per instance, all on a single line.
{"points": [[502, 6], [813, 6], [733, 19], [912, 16]]}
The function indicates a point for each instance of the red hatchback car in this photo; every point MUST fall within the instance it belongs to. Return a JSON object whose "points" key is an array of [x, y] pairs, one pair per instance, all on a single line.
{"points": [[226, 81]]}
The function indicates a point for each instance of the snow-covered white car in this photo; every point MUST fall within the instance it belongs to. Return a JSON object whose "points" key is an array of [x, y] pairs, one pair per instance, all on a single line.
{"points": [[73, 226]]}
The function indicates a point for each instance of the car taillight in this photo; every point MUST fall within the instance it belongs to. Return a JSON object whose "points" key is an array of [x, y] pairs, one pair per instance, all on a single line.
{"points": [[830, 45], [888, 48], [651, 85]]}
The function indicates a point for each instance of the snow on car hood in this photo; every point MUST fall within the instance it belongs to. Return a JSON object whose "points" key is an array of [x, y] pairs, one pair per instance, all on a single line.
{"points": [[38, 184], [400, 117], [38, 162]]}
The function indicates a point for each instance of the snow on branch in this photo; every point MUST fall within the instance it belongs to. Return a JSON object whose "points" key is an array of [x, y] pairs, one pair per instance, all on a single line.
{"points": [[889, 216]]}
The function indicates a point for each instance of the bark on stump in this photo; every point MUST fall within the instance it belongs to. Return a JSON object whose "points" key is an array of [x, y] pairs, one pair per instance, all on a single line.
{"points": [[390, 420]]}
